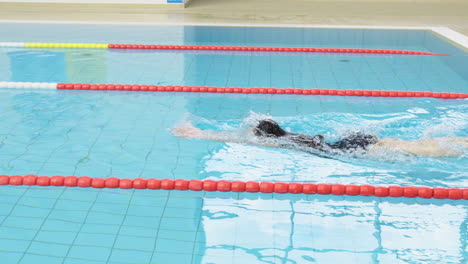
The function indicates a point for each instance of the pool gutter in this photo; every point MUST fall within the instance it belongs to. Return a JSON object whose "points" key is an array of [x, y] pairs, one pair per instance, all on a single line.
{"points": [[446, 33]]}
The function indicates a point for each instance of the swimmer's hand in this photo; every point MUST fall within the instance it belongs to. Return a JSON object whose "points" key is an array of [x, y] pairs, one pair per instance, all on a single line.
{"points": [[187, 131]]}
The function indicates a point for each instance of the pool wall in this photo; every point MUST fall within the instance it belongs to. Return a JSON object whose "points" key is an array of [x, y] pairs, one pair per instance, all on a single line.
{"points": [[168, 3]]}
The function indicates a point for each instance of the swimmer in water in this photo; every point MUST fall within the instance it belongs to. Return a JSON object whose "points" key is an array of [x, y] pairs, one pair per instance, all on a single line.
{"points": [[268, 133]]}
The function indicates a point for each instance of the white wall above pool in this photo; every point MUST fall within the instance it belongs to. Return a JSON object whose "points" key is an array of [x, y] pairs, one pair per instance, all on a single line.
{"points": [[157, 2]]}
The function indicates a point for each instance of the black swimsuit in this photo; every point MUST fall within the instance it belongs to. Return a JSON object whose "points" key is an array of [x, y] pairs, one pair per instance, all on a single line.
{"points": [[353, 142]]}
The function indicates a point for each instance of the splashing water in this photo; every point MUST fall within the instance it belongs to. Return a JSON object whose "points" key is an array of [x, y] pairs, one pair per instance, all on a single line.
{"points": [[253, 162]]}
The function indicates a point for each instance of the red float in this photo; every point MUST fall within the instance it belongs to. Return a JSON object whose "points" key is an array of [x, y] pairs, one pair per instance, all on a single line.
{"points": [[195, 185], [112, 183], [337, 189], [395, 191], [260, 90], [238, 186], [309, 188], [84, 181], [16, 180], [410, 192], [57, 180], [323, 188], [70, 181], [455, 194], [167, 184], [440, 193], [153, 184], [98, 183], [352, 190], [224, 186], [366, 190], [180, 185], [209, 185], [266, 187], [381, 191], [295, 187], [252, 187], [126, 184], [140, 183], [314, 91], [281, 187], [29, 180], [43, 181], [425, 192]]}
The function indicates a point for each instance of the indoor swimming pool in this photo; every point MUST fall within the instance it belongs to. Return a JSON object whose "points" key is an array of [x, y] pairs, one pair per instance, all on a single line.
{"points": [[126, 134]]}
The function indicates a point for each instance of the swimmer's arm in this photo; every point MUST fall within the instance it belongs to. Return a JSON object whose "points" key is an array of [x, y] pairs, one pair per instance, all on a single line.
{"points": [[189, 131], [228, 137], [233, 137]]}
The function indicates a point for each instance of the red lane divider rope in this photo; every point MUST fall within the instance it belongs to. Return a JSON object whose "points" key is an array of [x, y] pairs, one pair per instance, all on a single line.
{"points": [[269, 49], [239, 186], [209, 89]]}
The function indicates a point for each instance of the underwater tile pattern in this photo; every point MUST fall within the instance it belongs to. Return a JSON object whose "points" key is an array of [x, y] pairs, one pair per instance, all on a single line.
{"points": [[128, 135], [241, 69], [66, 225], [248, 69]]}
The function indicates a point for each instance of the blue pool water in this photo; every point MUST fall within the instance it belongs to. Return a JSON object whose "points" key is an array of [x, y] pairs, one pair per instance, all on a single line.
{"points": [[376, 72], [128, 135]]}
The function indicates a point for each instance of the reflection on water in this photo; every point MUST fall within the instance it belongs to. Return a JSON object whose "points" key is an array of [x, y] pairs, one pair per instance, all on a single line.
{"points": [[406, 73], [56, 65], [157, 226], [322, 229]]}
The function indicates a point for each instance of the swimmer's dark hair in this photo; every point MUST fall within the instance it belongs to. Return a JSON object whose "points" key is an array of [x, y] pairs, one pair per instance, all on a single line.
{"points": [[268, 128]]}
